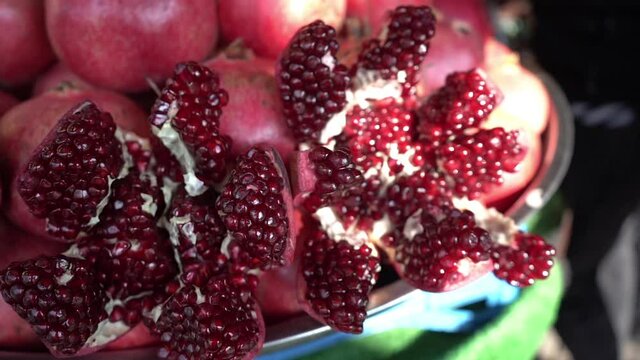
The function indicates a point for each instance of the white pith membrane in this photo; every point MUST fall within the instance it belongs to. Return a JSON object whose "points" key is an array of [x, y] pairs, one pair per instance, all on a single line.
{"points": [[173, 141], [106, 331]]}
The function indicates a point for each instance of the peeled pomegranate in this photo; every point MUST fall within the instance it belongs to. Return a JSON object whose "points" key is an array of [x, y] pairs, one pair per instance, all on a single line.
{"points": [[266, 27], [56, 77], [253, 114], [16, 245], [23, 41], [27, 124], [120, 52]]}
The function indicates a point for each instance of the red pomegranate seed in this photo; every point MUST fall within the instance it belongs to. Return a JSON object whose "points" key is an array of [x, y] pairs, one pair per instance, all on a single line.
{"points": [[69, 176], [218, 321], [256, 208], [59, 296], [312, 84], [338, 278], [192, 103], [529, 258]]}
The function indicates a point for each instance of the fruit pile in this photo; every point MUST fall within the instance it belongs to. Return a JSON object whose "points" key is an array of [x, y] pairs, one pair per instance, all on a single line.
{"points": [[280, 175]]}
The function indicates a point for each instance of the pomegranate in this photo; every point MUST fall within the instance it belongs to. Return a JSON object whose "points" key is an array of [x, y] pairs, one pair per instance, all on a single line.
{"points": [[56, 77], [253, 114], [6, 102], [526, 103], [120, 52], [457, 46], [17, 127], [15, 245], [23, 41], [266, 27], [138, 337]]}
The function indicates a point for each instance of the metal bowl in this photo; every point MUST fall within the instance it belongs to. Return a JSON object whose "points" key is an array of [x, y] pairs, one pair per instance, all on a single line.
{"points": [[557, 146]]}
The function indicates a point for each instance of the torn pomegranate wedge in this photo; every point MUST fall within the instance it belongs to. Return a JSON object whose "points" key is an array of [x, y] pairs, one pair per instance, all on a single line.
{"points": [[220, 320], [186, 118], [256, 207], [68, 179], [62, 300]]}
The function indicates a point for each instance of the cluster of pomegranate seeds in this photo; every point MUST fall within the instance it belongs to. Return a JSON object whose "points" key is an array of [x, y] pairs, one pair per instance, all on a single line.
{"points": [[403, 47], [476, 163], [255, 207], [68, 178], [338, 275], [438, 248], [472, 160], [59, 296], [218, 321], [191, 104], [361, 205], [335, 175], [373, 133], [464, 102], [312, 84], [410, 193], [197, 233], [529, 258]]}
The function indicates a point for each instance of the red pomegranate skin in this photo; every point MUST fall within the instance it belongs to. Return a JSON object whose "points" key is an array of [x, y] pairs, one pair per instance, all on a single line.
{"points": [[253, 114], [6, 102], [118, 44], [267, 26], [24, 45], [58, 76], [16, 245], [24, 127]]}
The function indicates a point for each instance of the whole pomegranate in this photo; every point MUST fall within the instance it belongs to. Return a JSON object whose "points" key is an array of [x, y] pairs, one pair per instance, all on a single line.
{"points": [[110, 50], [56, 77], [16, 245], [6, 102], [267, 26], [23, 41], [25, 126], [253, 115]]}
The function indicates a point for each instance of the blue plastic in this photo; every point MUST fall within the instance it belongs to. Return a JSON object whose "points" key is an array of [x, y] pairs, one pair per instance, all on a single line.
{"points": [[427, 311]]}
